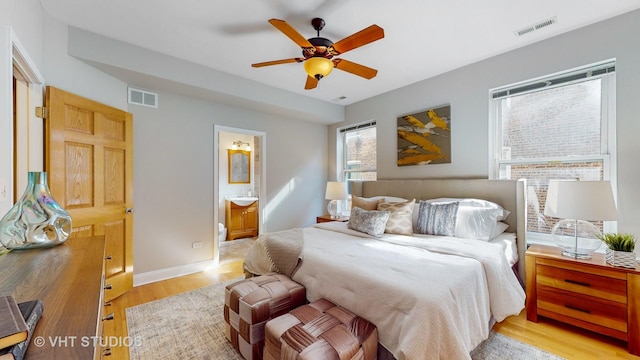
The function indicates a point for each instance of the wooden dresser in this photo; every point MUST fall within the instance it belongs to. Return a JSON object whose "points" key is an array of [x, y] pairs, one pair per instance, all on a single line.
{"points": [[586, 293], [69, 279]]}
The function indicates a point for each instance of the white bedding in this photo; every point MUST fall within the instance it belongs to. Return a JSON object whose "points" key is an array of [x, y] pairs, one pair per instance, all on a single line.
{"points": [[429, 298]]}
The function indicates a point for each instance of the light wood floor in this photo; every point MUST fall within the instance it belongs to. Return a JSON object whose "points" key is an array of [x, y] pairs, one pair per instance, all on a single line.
{"points": [[563, 340]]}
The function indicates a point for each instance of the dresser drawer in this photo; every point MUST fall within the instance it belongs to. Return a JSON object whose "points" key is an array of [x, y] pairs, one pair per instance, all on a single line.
{"points": [[597, 286], [609, 314]]}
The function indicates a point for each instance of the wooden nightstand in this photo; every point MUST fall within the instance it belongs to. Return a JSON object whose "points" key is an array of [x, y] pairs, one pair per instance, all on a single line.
{"points": [[586, 293], [327, 218]]}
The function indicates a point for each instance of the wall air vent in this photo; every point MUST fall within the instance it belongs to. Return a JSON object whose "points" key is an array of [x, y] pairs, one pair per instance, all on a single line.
{"points": [[143, 98], [538, 26]]}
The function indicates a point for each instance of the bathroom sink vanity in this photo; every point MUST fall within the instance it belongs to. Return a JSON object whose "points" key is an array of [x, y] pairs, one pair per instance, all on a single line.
{"points": [[241, 216]]}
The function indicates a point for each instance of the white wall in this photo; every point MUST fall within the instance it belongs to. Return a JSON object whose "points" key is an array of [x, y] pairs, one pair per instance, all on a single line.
{"points": [[71, 75], [174, 177], [466, 89]]}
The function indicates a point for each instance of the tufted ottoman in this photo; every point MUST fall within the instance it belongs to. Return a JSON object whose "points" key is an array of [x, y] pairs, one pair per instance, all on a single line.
{"points": [[249, 303], [320, 330]]}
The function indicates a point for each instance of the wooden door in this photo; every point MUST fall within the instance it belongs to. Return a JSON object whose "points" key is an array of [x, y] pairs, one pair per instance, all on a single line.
{"points": [[89, 160]]}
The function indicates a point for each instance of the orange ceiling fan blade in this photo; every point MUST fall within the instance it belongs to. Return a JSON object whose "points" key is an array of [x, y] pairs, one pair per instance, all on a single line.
{"points": [[354, 68], [362, 37], [292, 33], [311, 83], [277, 62]]}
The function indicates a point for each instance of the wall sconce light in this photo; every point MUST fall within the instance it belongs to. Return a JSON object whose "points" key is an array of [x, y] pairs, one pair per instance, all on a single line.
{"points": [[237, 144]]}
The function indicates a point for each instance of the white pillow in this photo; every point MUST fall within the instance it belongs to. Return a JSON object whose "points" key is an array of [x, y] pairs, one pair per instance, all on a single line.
{"points": [[499, 229], [389, 198], [476, 222], [373, 202]]}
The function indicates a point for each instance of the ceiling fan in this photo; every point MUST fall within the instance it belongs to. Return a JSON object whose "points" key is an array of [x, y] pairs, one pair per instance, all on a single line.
{"points": [[318, 52]]}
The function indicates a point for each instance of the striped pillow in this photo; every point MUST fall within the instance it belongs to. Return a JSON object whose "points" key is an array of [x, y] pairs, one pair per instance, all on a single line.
{"points": [[400, 219], [437, 218]]}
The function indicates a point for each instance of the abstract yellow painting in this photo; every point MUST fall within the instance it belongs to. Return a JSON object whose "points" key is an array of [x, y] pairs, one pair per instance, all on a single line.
{"points": [[425, 137]]}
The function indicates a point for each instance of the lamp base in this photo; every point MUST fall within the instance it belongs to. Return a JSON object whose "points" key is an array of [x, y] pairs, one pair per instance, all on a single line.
{"points": [[332, 208], [578, 239]]}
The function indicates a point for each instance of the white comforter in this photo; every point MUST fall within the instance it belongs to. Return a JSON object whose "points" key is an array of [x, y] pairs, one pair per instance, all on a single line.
{"points": [[429, 298]]}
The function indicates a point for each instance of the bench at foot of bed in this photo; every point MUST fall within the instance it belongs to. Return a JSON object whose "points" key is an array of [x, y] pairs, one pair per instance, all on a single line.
{"points": [[250, 303], [320, 330]]}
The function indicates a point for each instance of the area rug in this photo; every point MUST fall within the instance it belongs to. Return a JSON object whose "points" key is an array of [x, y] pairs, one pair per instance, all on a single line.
{"points": [[190, 326]]}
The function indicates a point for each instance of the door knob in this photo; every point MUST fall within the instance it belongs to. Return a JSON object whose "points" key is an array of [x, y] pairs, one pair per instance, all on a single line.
{"points": [[129, 211]]}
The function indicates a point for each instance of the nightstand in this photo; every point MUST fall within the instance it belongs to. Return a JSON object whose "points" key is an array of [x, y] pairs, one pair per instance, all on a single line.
{"points": [[328, 218], [586, 293]]}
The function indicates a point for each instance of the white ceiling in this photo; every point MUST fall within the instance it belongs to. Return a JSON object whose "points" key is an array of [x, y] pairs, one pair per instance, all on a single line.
{"points": [[423, 38]]}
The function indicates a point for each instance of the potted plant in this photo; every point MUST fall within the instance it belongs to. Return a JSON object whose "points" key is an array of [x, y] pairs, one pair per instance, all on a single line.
{"points": [[620, 249]]}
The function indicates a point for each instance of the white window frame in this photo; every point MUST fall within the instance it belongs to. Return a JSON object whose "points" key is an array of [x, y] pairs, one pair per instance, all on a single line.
{"points": [[340, 145], [608, 129]]}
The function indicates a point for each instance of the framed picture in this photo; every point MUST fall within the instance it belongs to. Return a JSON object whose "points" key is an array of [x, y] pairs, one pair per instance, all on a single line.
{"points": [[425, 137], [239, 166]]}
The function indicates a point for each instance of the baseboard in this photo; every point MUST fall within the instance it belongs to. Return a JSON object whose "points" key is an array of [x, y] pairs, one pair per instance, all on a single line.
{"points": [[169, 273]]}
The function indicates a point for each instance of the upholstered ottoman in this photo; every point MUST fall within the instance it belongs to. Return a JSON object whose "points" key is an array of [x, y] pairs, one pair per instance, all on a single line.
{"points": [[320, 330], [249, 303]]}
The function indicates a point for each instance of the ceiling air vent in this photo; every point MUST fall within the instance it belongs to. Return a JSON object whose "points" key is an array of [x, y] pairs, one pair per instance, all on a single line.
{"points": [[142, 97], [537, 26]]}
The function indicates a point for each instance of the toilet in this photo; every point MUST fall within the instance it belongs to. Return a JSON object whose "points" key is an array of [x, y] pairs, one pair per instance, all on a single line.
{"points": [[222, 232]]}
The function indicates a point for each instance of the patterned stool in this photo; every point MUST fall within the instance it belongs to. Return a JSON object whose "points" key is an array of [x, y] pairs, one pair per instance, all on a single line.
{"points": [[249, 303], [320, 330]]}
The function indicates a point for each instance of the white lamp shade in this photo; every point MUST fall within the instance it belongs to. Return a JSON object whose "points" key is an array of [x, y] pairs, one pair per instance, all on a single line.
{"points": [[583, 200], [336, 190]]}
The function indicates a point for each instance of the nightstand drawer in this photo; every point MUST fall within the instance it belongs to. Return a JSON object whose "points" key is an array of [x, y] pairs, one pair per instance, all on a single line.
{"points": [[593, 310], [582, 283]]}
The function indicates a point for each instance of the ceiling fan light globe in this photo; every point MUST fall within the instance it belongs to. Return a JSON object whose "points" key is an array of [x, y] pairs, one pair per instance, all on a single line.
{"points": [[318, 67]]}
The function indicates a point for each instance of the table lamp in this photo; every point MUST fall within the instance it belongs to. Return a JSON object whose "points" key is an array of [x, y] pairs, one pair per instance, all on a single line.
{"points": [[579, 202], [336, 190]]}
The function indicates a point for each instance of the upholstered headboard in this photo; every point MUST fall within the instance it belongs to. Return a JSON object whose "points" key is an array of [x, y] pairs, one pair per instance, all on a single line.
{"points": [[508, 193]]}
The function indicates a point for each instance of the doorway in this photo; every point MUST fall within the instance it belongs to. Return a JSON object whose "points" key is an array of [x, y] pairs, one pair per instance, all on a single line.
{"points": [[28, 129], [226, 184]]}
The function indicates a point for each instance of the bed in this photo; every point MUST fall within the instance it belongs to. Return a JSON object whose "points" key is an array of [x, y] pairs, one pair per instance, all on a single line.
{"points": [[431, 296]]}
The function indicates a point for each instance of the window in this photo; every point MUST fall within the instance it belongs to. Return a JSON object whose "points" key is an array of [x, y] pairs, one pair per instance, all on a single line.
{"points": [[557, 127], [358, 150]]}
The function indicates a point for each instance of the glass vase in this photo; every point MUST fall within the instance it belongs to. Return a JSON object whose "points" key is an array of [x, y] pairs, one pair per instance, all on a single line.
{"points": [[36, 220]]}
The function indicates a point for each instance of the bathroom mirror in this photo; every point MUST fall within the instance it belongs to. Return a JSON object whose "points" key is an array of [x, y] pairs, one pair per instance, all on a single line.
{"points": [[239, 166]]}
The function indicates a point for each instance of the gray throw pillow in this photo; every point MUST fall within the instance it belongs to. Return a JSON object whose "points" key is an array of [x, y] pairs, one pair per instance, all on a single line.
{"points": [[372, 222], [437, 218]]}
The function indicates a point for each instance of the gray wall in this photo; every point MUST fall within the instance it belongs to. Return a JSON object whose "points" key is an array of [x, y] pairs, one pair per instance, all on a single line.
{"points": [[174, 176], [466, 89]]}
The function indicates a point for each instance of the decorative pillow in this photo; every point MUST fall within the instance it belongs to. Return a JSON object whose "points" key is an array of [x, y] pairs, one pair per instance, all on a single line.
{"points": [[372, 222], [400, 218], [437, 218], [365, 203]]}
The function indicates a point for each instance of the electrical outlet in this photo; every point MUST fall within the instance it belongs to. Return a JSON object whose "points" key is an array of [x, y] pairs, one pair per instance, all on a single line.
{"points": [[196, 245]]}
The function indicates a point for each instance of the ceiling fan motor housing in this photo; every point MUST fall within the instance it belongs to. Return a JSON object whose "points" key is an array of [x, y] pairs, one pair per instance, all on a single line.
{"points": [[320, 48]]}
